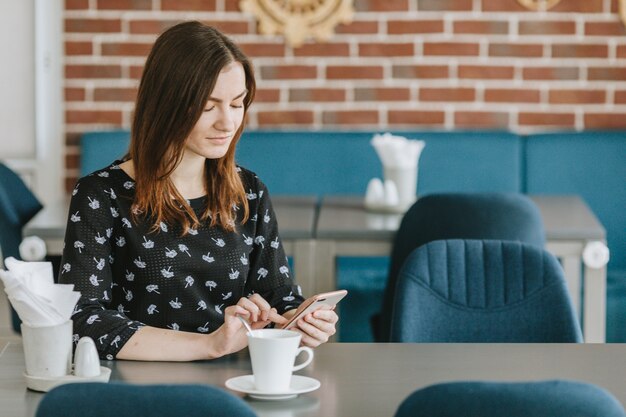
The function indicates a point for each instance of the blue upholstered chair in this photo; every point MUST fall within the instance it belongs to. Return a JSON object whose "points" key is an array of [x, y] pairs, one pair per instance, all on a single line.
{"points": [[17, 206], [482, 291], [557, 398], [95, 399], [502, 216]]}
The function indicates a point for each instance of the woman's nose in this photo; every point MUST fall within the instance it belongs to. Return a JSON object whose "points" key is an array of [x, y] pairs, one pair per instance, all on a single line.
{"points": [[225, 121]]}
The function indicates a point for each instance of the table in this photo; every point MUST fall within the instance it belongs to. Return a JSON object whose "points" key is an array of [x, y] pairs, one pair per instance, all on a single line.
{"points": [[359, 379], [296, 217], [345, 228]]}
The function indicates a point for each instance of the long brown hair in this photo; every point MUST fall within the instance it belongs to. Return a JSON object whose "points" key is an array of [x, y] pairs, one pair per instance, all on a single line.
{"points": [[178, 78]]}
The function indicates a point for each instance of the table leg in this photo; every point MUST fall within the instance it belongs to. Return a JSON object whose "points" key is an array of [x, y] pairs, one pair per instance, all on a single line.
{"points": [[594, 308], [304, 266]]}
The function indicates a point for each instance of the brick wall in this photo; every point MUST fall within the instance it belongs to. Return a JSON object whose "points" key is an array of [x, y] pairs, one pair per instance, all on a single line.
{"points": [[423, 64]]}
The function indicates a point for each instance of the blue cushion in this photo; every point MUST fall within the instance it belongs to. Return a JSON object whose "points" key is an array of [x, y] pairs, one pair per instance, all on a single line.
{"points": [[99, 149], [590, 164], [482, 291], [556, 398], [126, 400]]}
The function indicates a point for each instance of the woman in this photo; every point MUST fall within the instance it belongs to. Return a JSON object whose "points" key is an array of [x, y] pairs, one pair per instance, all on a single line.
{"points": [[171, 244]]}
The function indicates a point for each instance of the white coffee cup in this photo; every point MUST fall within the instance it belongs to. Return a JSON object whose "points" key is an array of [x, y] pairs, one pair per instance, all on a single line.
{"points": [[48, 350], [273, 353]]}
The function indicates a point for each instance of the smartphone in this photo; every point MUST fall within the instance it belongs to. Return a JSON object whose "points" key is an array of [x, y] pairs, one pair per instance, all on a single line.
{"points": [[325, 301]]}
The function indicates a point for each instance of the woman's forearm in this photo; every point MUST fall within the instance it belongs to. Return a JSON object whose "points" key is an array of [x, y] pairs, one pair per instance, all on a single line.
{"points": [[155, 344]]}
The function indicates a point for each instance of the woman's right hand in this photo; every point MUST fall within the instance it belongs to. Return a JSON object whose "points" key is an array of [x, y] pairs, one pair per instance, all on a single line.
{"points": [[231, 336]]}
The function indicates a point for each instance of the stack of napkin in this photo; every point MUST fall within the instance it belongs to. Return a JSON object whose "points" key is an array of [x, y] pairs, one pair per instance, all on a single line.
{"points": [[35, 297]]}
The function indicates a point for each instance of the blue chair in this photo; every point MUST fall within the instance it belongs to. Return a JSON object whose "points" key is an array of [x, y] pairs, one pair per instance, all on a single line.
{"points": [[502, 216], [17, 206], [556, 398], [482, 291], [96, 399]]}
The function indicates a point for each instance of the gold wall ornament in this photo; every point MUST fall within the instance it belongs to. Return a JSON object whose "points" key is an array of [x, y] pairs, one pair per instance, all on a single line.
{"points": [[539, 4], [299, 19]]}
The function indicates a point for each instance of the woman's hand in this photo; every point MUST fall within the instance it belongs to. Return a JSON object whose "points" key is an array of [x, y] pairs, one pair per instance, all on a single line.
{"points": [[231, 336], [317, 327]]}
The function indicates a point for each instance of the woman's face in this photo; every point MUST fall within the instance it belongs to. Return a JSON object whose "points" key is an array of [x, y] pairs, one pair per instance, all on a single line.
{"points": [[222, 115]]}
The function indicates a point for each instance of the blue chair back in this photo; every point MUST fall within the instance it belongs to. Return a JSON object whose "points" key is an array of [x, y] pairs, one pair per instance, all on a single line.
{"points": [[555, 398], [17, 206], [94, 399], [482, 291], [502, 216]]}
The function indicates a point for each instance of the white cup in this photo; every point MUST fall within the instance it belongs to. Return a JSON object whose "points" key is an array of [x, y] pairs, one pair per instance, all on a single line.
{"points": [[273, 353], [48, 350], [405, 179]]}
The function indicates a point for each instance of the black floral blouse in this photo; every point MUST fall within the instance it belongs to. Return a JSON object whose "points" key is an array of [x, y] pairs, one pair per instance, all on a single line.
{"points": [[129, 277]]}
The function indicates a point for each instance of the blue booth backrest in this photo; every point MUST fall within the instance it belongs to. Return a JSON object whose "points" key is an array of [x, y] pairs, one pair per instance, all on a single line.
{"points": [[318, 163]]}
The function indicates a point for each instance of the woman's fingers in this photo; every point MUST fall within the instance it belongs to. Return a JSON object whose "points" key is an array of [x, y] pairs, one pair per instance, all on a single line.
{"points": [[263, 306]]}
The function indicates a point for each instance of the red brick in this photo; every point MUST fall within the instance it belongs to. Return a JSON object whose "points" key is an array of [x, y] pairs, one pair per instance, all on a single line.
{"points": [[605, 29], [502, 6], [481, 119], [550, 73], [93, 25], [543, 27], [382, 94], [420, 71], [580, 51], [231, 5], [350, 117], [124, 4], [444, 5], [615, 6], [579, 6], [577, 96], [386, 49], [93, 116], [188, 5], [78, 48], [258, 49], [399, 27], [484, 72], [451, 48], [606, 73], [76, 4], [415, 117], [512, 95], [267, 95], [136, 71], [126, 49], [72, 139], [620, 97], [115, 94], [481, 27], [605, 120], [447, 94], [621, 51], [323, 49], [317, 94], [358, 26], [381, 5], [159, 26], [288, 72], [518, 50], [546, 119], [72, 161], [74, 94], [296, 117], [360, 72], [93, 71]]}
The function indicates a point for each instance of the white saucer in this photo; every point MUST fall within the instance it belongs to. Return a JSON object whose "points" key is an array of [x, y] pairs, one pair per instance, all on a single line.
{"points": [[45, 384], [299, 385]]}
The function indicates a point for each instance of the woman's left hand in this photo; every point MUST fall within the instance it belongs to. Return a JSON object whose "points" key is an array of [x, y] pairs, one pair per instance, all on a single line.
{"points": [[317, 327]]}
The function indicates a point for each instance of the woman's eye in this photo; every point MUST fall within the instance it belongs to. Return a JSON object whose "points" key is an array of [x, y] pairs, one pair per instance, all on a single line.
{"points": [[236, 106], [209, 109]]}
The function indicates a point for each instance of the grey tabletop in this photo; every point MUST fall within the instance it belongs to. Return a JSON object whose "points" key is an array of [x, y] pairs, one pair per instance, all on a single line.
{"points": [[361, 379], [345, 217], [296, 218]]}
